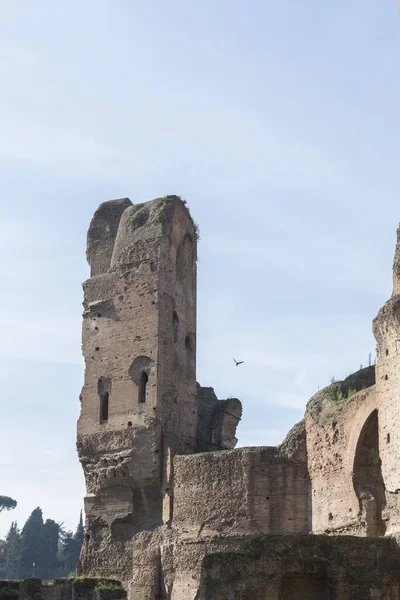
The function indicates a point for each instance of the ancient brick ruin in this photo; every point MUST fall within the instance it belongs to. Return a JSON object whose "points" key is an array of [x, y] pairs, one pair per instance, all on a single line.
{"points": [[172, 509]]}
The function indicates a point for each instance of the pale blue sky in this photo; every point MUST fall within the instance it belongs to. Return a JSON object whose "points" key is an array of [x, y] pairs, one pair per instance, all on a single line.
{"points": [[279, 124]]}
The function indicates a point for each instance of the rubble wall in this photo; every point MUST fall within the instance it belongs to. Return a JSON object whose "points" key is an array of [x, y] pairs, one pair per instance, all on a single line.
{"points": [[304, 568]]}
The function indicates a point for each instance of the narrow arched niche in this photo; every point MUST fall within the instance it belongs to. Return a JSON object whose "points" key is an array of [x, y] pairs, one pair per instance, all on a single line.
{"points": [[367, 478], [175, 326], [104, 390], [140, 364], [184, 267], [139, 372], [144, 378]]}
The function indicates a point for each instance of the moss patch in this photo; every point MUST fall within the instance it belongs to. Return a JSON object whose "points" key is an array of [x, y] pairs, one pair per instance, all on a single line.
{"points": [[334, 397], [8, 592]]}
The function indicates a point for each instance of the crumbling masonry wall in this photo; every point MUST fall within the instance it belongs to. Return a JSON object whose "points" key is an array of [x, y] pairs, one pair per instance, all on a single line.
{"points": [[304, 568], [139, 401], [386, 329], [236, 492], [353, 442], [172, 509], [223, 499], [340, 503]]}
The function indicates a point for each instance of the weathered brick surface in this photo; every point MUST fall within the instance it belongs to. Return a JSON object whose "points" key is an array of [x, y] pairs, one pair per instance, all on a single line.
{"points": [[249, 490], [304, 568], [332, 438], [354, 446], [139, 343], [165, 489], [143, 280]]}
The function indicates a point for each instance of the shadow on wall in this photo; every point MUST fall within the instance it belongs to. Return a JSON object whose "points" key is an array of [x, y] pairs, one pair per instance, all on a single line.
{"points": [[304, 586]]}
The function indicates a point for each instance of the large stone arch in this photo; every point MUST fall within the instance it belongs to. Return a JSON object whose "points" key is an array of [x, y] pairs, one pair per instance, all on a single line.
{"points": [[366, 408], [367, 477]]}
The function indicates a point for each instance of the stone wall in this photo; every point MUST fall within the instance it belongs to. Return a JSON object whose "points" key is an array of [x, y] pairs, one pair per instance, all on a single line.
{"points": [[171, 508], [249, 490], [353, 443], [341, 501], [79, 588], [138, 402], [304, 568], [386, 329], [221, 499]]}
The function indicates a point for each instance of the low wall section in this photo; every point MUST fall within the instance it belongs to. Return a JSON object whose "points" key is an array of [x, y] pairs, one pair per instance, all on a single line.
{"points": [[243, 491]]}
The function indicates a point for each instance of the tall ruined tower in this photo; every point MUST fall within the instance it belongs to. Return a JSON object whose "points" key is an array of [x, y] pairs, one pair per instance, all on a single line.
{"points": [[138, 402], [387, 333]]}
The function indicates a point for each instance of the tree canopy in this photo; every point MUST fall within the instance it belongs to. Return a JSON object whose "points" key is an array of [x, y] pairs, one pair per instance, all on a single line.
{"points": [[54, 550], [13, 554], [48, 545], [30, 538], [7, 503], [72, 544]]}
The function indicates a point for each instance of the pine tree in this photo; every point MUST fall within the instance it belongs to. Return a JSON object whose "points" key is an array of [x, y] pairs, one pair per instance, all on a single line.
{"points": [[7, 503], [47, 558], [13, 552], [30, 539]]}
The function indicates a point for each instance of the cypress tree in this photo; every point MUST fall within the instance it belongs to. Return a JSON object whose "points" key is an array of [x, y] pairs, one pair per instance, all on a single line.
{"points": [[80, 531], [70, 551], [13, 552], [72, 544], [47, 558], [30, 540]]}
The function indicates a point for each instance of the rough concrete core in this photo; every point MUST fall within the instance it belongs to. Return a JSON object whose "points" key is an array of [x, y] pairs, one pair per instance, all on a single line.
{"points": [[102, 233], [172, 509], [217, 420]]}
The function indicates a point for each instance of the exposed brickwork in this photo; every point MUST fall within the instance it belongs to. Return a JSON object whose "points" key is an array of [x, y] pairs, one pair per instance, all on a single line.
{"points": [[166, 489], [139, 399], [304, 568], [387, 333]]}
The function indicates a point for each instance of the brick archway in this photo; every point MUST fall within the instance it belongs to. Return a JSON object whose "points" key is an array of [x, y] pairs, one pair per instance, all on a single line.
{"points": [[367, 478], [364, 411]]}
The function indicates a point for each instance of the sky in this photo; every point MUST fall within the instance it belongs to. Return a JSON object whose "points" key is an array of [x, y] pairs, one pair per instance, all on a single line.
{"points": [[278, 122]]}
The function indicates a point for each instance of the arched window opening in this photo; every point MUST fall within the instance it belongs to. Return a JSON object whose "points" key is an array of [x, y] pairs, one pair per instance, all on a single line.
{"points": [[175, 326], [142, 386], [367, 478], [104, 389]]}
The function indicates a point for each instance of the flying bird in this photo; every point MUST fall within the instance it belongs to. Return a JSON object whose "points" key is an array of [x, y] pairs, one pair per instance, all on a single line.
{"points": [[238, 362]]}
